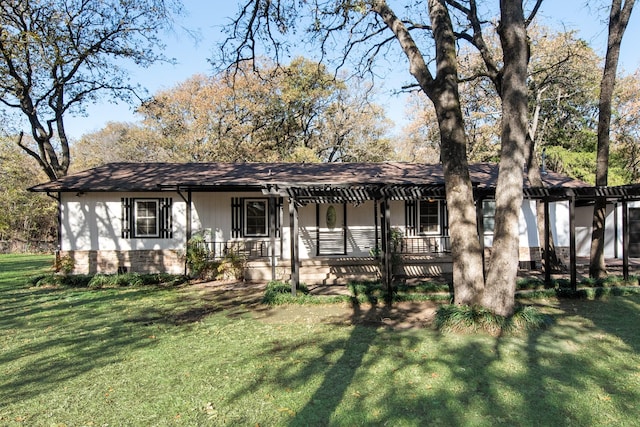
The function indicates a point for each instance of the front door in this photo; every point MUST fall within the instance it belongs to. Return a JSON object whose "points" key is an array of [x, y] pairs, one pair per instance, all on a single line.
{"points": [[331, 220]]}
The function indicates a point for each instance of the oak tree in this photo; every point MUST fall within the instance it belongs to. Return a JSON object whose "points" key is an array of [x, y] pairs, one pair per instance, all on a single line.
{"points": [[369, 30], [58, 55], [619, 15]]}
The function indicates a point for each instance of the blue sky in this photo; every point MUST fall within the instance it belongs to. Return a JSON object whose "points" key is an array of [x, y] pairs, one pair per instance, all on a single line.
{"points": [[206, 17]]}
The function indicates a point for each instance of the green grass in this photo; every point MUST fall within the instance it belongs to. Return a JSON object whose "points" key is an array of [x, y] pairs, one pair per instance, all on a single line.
{"points": [[175, 357]]}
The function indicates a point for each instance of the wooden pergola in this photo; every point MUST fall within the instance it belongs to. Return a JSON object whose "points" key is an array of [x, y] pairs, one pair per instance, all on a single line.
{"points": [[301, 194]]}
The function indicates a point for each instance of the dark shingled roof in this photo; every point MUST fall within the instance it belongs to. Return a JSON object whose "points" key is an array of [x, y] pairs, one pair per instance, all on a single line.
{"points": [[248, 176], [239, 176]]}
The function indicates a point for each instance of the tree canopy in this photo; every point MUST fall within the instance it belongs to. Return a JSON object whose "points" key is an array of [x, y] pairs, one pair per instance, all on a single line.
{"points": [[58, 55], [296, 112], [24, 216]]}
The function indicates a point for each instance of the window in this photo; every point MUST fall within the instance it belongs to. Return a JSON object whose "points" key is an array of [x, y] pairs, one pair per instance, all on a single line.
{"points": [[250, 217], [488, 215], [256, 218], [147, 218], [429, 217]]}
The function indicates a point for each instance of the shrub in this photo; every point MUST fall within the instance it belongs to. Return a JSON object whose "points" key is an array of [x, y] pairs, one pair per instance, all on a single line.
{"points": [[197, 257], [64, 264], [278, 293], [100, 281], [57, 280], [366, 291], [232, 266]]}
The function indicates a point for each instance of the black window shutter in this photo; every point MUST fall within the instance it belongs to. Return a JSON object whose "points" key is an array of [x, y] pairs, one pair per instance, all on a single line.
{"points": [[166, 218], [126, 217], [236, 217], [410, 217]]}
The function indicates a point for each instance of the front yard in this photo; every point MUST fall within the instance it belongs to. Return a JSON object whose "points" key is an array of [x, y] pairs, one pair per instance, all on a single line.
{"points": [[194, 355]]}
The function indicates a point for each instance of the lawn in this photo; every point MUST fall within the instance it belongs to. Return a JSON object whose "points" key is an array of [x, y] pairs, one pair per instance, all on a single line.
{"points": [[170, 357]]}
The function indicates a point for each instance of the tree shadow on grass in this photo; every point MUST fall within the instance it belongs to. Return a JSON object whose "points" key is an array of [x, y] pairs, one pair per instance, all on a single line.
{"points": [[338, 378], [54, 335], [619, 316], [547, 377]]}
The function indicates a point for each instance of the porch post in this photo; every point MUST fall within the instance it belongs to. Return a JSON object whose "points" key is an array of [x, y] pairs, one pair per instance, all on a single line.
{"points": [[572, 242], [375, 227], [625, 239], [189, 215], [272, 235], [295, 257], [387, 245], [547, 244]]}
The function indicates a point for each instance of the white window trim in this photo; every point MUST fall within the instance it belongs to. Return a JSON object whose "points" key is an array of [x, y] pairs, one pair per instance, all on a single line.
{"points": [[419, 225], [266, 217], [136, 233]]}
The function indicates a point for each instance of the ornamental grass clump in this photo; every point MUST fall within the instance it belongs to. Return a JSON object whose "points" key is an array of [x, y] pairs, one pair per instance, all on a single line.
{"points": [[278, 293], [473, 319]]}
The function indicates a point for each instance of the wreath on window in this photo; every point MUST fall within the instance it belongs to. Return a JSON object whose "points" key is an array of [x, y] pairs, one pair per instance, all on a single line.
{"points": [[331, 217]]}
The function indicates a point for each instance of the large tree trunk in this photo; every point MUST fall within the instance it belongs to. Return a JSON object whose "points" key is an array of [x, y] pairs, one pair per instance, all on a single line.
{"points": [[618, 20], [535, 180], [466, 251], [468, 278], [499, 293], [468, 271]]}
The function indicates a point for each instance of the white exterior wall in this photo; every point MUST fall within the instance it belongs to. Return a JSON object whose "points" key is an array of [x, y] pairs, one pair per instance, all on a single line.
{"points": [[92, 222], [211, 214], [526, 225], [559, 217]]}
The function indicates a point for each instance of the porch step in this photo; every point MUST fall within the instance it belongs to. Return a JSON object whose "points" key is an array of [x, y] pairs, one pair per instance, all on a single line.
{"points": [[342, 270]]}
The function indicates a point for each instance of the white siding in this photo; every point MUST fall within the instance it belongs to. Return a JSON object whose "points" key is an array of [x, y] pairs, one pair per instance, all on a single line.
{"points": [[92, 221], [527, 227]]}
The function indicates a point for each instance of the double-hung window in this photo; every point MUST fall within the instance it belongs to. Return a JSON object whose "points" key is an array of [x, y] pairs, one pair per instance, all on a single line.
{"points": [[429, 217], [488, 215], [250, 216], [256, 217], [147, 218], [146, 214]]}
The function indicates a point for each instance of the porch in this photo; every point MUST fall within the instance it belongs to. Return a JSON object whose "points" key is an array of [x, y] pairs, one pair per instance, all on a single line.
{"points": [[255, 249], [412, 257]]}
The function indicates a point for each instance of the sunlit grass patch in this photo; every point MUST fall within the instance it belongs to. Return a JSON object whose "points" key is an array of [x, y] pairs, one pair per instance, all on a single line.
{"points": [[155, 355]]}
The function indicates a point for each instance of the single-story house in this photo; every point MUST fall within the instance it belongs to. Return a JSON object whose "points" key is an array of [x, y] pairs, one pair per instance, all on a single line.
{"points": [[314, 223]]}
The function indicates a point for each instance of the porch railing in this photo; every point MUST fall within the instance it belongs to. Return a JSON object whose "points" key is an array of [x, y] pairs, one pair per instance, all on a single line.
{"points": [[250, 249], [253, 249], [415, 245]]}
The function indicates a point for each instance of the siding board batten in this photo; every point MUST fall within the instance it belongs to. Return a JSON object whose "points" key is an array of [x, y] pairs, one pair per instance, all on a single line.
{"points": [[376, 230]]}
